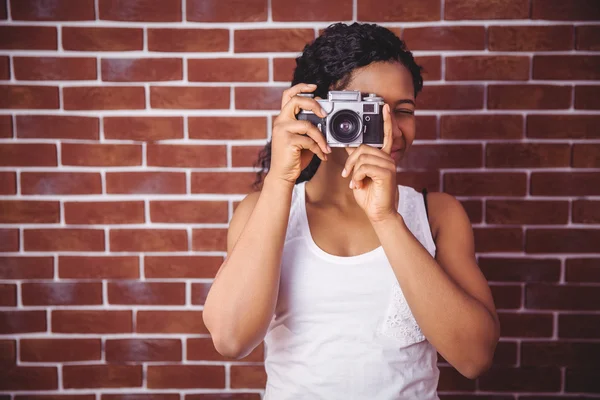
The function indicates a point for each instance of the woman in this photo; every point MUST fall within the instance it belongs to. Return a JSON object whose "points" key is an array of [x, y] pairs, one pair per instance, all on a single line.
{"points": [[352, 281]]}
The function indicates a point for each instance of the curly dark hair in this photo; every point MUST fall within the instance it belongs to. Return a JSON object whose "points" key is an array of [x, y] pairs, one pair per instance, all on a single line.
{"points": [[329, 61]]}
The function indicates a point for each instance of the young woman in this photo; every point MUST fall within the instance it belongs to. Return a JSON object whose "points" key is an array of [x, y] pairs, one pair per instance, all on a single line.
{"points": [[353, 281]]}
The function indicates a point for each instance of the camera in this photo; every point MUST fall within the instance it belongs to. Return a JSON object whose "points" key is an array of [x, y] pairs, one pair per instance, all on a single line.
{"points": [[351, 118]]}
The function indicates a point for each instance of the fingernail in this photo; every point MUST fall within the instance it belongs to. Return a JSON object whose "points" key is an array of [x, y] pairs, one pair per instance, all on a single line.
{"points": [[311, 85], [351, 185], [344, 172], [328, 149]]}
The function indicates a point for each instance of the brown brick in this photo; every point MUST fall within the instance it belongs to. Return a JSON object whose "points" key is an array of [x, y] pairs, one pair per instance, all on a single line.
{"points": [[6, 126], [244, 156], [63, 239], [186, 376], [506, 297], [102, 39], [586, 211], [585, 326], [22, 321], [588, 37], [481, 126], [222, 182], [396, 10], [498, 240], [104, 98], [8, 352], [61, 293], [140, 350], [54, 68], [52, 10], [8, 182], [101, 155], [28, 378], [587, 97], [19, 96], [60, 350], [81, 267], [451, 97], [485, 184], [57, 127], [8, 295], [526, 212], [142, 69], [311, 10], [566, 67], [562, 240], [149, 321], [527, 155], [219, 11], [28, 154], [228, 70], [586, 155], [13, 37], [563, 126], [434, 156], [526, 379], [9, 240], [92, 321], [145, 182], [197, 212], [562, 11], [60, 183], [101, 376], [186, 156], [139, 10], [186, 97], [143, 128], [29, 211], [181, 266], [530, 325], [530, 38], [520, 269], [248, 376], [483, 9], [445, 38], [271, 40], [193, 40], [158, 293], [565, 183], [559, 354], [200, 292], [209, 239], [109, 212], [228, 128], [258, 98], [26, 267], [529, 97], [148, 240], [470, 68], [561, 297]]}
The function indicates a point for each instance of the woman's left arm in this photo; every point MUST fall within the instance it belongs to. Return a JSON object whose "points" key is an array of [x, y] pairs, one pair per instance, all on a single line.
{"points": [[448, 295]]}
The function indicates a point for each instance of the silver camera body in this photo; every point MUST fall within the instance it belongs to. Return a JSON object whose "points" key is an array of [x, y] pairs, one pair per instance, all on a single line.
{"points": [[351, 118]]}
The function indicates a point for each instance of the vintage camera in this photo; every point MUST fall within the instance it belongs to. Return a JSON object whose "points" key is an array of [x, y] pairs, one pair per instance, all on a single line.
{"points": [[351, 119]]}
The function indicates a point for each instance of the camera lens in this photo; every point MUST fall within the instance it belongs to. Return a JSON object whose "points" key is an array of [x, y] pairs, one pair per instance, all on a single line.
{"points": [[345, 126]]}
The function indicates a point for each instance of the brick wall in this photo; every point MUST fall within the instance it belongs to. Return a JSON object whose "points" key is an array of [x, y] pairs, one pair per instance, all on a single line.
{"points": [[128, 129]]}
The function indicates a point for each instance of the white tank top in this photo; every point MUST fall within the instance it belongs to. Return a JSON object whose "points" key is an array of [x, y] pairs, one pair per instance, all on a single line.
{"points": [[342, 328]]}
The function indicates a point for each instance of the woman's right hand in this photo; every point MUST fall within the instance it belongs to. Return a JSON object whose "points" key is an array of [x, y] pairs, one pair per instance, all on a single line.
{"points": [[291, 150]]}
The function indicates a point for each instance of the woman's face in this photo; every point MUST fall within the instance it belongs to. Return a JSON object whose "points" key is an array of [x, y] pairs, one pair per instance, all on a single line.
{"points": [[393, 82]]}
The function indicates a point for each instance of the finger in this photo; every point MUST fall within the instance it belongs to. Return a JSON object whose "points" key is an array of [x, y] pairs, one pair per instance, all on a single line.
{"points": [[307, 128], [290, 93], [298, 103], [363, 149], [370, 159], [305, 142], [387, 130], [368, 171]]}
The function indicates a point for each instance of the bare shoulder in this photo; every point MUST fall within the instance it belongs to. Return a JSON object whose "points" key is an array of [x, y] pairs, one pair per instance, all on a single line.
{"points": [[444, 210], [240, 217]]}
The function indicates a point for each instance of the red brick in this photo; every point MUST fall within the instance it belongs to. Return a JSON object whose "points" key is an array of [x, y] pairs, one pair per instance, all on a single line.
{"points": [[219, 11], [101, 155], [8, 352], [81, 267], [585, 326], [8, 295], [426, 125], [562, 240], [248, 376], [148, 240], [8, 182], [586, 211], [520, 269], [59, 350], [498, 239], [396, 10], [283, 69], [9, 240], [26, 267], [271, 40], [3, 10], [140, 350], [526, 212], [561, 297], [481, 126], [484, 9], [28, 212], [209, 239], [28, 378], [432, 67], [451, 97], [558, 10], [104, 98], [22, 321], [200, 292], [420, 179], [530, 325], [61, 293], [170, 322], [186, 156], [485, 184], [312, 10], [158, 293], [101, 376], [566, 67], [228, 70], [60, 183], [92, 321], [559, 354], [258, 98], [183, 40], [145, 183], [186, 376], [143, 396], [529, 97], [142, 69], [57, 397], [445, 38], [527, 155], [28, 154], [140, 10], [200, 212], [114, 212], [102, 39], [586, 155], [186, 97], [565, 183], [530, 38], [6, 126], [587, 97], [19, 96], [582, 380], [181, 266], [470, 68], [244, 156], [588, 37], [57, 127], [63, 239], [227, 128], [52, 10], [473, 208], [582, 270], [222, 182], [143, 128], [13, 37], [435, 156], [451, 379], [526, 379], [563, 126], [54, 68]]}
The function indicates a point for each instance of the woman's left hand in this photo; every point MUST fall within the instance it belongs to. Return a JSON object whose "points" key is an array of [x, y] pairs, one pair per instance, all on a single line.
{"points": [[373, 175]]}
